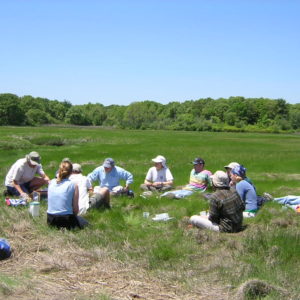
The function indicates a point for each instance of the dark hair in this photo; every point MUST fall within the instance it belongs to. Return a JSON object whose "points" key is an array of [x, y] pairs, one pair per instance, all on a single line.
{"points": [[64, 171]]}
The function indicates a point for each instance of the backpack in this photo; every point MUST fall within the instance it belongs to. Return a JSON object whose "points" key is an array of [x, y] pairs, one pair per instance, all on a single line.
{"points": [[5, 250]]}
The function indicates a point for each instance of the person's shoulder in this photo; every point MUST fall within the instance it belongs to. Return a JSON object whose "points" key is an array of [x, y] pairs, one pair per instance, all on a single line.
{"points": [[20, 162], [207, 172], [119, 169], [98, 169]]}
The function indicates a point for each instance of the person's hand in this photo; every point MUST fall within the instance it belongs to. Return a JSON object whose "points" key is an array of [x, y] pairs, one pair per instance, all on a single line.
{"points": [[125, 188], [24, 196], [157, 184]]}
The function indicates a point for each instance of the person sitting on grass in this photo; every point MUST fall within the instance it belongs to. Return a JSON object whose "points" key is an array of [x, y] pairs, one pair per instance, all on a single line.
{"points": [[109, 175], [199, 177], [21, 180], [63, 199], [245, 190], [199, 181], [225, 207], [159, 177], [84, 186]]}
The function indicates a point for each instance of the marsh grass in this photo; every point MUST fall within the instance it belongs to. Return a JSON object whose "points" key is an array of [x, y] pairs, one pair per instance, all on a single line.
{"points": [[170, 252]]}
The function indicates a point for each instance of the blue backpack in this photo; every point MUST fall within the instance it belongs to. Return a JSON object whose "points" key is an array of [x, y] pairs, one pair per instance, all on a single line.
{"points": [[5, 250]]}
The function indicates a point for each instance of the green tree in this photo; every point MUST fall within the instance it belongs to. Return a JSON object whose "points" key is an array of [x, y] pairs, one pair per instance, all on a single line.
{"points": [[11, 112]]}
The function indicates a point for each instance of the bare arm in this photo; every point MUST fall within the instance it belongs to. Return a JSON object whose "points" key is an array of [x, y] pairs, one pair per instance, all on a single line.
{"points": [[46, 178], [18, 188]]}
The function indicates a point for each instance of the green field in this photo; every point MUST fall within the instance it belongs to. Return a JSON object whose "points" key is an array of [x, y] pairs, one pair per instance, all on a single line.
{"points": [[124, 256]]}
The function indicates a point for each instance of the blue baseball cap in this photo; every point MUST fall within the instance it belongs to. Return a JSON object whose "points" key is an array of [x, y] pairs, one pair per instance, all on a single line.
{"points": [[108, 163]]}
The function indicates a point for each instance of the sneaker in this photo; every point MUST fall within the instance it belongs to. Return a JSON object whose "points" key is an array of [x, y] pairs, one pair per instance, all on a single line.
{"points": [[268, 196], [147, 194]]}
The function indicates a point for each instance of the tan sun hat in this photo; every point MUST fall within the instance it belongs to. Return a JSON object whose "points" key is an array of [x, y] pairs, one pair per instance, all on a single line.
{"points": [[220, 179], [33, 158]]}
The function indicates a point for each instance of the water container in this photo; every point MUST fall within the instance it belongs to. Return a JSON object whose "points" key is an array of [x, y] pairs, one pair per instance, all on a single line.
{"points": [[34, 208], [35, 196]]}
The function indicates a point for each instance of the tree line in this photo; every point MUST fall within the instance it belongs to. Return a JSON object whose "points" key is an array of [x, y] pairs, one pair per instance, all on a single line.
{"points": [[207, 114]]}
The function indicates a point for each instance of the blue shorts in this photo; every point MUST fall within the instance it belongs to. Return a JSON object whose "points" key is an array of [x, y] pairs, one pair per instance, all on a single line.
{"points": [[14, 192]]}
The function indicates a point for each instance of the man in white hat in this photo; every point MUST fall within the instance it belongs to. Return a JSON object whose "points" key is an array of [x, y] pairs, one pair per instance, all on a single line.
{"points": [[226, 207], [21, 179], [159, 177]]}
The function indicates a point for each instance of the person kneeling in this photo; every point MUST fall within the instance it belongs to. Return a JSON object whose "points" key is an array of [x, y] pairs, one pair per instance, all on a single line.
{"points": [[226, 207], [63, 199]]}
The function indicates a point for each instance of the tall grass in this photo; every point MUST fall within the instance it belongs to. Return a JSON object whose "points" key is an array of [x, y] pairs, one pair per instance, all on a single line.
{"points": [[268, 249]]}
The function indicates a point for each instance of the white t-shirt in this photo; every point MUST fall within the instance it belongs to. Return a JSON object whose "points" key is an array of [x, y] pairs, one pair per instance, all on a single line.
{"points": [[161, 175], [83, 185], [21, 172]]}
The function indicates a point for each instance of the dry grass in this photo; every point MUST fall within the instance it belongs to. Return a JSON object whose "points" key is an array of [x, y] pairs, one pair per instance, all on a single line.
{"points": [[51, 266]]}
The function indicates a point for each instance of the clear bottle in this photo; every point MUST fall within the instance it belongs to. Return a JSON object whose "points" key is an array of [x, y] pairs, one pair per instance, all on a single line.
{"points": [[36, 196]]}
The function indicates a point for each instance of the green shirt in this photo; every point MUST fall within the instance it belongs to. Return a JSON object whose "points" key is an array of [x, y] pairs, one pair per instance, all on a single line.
{"points": [[226, 210]]}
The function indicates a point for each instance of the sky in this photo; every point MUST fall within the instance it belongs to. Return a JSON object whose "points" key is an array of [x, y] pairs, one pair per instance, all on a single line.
{"points": [[122, 51]]}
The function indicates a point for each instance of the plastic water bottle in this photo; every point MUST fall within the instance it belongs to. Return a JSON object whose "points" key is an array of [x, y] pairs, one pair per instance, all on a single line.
{"points": [[36, 196]]}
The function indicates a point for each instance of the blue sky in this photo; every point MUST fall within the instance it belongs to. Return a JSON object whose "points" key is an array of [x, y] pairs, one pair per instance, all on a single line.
{"points": [[121, 51]]}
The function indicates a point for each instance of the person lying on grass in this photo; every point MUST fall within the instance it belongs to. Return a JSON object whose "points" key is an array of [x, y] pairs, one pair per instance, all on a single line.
{"points": [[21, 180], [159, 178], [225, 207], [109, 176]]}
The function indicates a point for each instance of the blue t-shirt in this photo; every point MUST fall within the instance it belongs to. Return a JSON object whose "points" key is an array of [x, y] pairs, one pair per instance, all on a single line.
{"points": [[60, 197], [247, 194]]}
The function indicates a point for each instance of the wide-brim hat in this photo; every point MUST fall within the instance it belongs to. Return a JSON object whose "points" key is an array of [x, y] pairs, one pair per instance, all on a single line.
{"points": [[33, 158], [220, 179], [159, 159]]}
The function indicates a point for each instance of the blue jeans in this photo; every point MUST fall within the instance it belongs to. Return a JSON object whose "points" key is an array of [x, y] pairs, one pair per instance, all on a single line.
{"points": [[290, 200], [14, 192]]}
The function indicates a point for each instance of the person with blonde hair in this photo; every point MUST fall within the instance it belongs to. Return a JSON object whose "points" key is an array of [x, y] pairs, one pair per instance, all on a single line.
{"points": [[63, 199]]}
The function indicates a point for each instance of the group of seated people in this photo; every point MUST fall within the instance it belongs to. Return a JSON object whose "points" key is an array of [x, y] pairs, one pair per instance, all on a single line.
{"points": [[71, 193]]}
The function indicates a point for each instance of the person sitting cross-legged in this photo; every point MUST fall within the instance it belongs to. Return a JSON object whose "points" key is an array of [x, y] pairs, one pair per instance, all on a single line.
{"points": [[159, 178], [225, 207], [63, 199]]}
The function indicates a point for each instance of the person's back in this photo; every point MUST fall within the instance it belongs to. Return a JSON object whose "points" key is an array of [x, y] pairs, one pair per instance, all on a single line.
{"points": [[248, 194], [226, 209], [60, 197], [83, 185]]}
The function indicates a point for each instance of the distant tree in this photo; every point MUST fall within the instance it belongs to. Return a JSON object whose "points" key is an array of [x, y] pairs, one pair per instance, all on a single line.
{"points": [[114, 116], [142, 115], [37, 117], [76, 115], [11, 112], [96, 113]]}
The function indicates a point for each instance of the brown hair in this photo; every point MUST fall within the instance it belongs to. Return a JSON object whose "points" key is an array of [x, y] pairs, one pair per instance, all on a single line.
{"points": [[64, 171]]}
